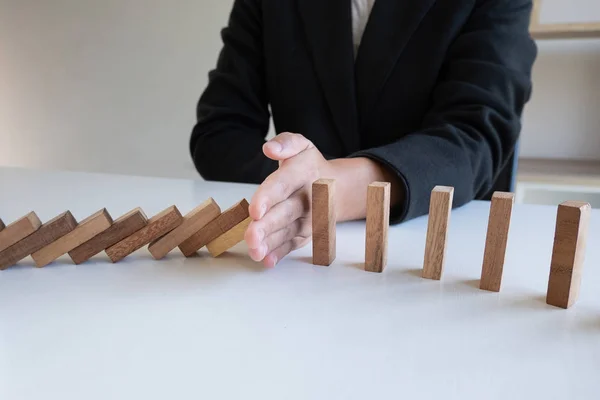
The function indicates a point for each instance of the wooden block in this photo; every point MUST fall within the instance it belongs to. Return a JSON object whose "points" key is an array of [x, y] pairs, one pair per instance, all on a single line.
{"points": [[123, 227], [48, 233], [19, 230], [323, 222], [2, 226], [495, 243], [192, 223], [440, 208], [217, 227], [568, 253], [157, 226], [87, 229], [229, 239], [378, 222]]}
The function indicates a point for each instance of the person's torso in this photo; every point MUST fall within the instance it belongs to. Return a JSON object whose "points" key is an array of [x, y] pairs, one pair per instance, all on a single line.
{"points": [[318, 86]]}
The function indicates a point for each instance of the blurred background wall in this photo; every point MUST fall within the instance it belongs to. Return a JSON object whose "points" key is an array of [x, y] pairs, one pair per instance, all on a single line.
{"points": [[111, 85]]}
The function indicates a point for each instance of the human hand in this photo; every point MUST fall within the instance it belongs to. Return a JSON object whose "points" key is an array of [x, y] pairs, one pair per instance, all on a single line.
{"points": [[281, 207]]}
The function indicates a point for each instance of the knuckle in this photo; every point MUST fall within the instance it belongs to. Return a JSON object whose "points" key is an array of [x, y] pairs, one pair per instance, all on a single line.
{"points": [[313, 173], [298, 242], [289, 213], [282, 187], [294, 229], [305, 227], [285, 136]]}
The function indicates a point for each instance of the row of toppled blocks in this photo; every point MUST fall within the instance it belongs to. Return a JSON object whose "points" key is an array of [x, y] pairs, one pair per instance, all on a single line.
{"points": [[205, 225], [572, 223]]}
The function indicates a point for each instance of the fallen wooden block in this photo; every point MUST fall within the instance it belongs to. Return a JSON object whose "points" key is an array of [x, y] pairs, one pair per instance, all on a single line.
{"points": [[229, 239], [496, 240], [192, 223], [572, 221], [378, 222], [121, 228], [19, 230], [217, 227], [87, 229], [157, 226], [323, 222], [440, 208], [48, 233]]}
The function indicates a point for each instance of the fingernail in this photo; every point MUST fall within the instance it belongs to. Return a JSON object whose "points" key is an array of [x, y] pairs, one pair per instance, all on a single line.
{"points": [[276, 147], [263, 251]]}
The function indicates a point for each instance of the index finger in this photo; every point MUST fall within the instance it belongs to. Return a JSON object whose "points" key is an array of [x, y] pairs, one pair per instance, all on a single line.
{"points": [[279, 186]]}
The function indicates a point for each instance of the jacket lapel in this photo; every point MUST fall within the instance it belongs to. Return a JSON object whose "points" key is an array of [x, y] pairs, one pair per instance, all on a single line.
{"points": [[390, 27], [328, 28]]}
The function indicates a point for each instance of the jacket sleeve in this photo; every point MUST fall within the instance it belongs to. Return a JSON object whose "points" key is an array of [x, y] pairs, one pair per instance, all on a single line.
{"points": [[473, 125], [232, 113]]}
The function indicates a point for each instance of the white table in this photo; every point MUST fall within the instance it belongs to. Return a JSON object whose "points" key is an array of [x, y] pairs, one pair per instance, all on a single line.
{"points": [[225, 328]]}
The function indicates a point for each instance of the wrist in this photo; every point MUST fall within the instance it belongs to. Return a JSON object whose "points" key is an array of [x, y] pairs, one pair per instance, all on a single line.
{"points": [[353, 176]]}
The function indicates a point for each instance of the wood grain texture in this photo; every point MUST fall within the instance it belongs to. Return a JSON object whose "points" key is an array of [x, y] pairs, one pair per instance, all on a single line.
{"points": [[158, 226], [224, 222], [229, 239], [87, 229], [495, 244], [19, 230], [440, 208], [194, 221], [2, 226], [121, 228], [568, 253], [48, 233], [378, 222], [323, 222]]}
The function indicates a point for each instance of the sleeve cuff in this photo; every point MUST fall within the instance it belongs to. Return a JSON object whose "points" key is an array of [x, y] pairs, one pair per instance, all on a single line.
{"points": [[399, 212]]}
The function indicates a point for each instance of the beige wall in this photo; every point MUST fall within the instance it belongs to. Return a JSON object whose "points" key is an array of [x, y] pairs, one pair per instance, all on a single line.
{"points": [[104, 85], [111, 85]]}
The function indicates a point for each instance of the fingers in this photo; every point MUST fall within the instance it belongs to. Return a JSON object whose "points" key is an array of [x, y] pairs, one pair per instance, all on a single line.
{"points": [[279, 186], [279, 217], [279, 253], [286, 145], [298, 229], [275, 240]]}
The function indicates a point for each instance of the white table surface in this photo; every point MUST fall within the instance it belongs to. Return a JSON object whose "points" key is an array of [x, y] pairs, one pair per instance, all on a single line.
{"points": [[224, 328]]}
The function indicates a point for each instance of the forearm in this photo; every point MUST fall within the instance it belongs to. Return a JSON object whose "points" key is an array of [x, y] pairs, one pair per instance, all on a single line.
{"points": [[353, 176]]}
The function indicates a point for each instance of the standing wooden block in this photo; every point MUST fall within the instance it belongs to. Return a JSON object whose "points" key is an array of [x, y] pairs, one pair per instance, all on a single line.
{"points": [[217, 227], [48, 233], [157, 226], [192, 223], [123, 227], [378, 222], [572, 223], [19, 230], [229, 239], [87, 229], [440, 208], [323, 222], [2, 226], [495, 243]]}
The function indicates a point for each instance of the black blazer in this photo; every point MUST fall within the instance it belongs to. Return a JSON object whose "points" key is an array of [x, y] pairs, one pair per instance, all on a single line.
{"points": [[436, 92]]}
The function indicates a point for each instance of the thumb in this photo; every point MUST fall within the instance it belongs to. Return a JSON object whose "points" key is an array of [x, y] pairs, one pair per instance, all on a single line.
{"points": [[286, 145]]}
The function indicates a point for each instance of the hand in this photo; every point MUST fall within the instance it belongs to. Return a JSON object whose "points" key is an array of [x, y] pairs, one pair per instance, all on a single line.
{"points": [[281, 207]]}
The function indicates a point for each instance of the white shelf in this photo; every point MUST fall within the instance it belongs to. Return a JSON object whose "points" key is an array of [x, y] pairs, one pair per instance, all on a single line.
{"points": [[550, 182], [570, 30], [567, 31], [559, 172]]}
